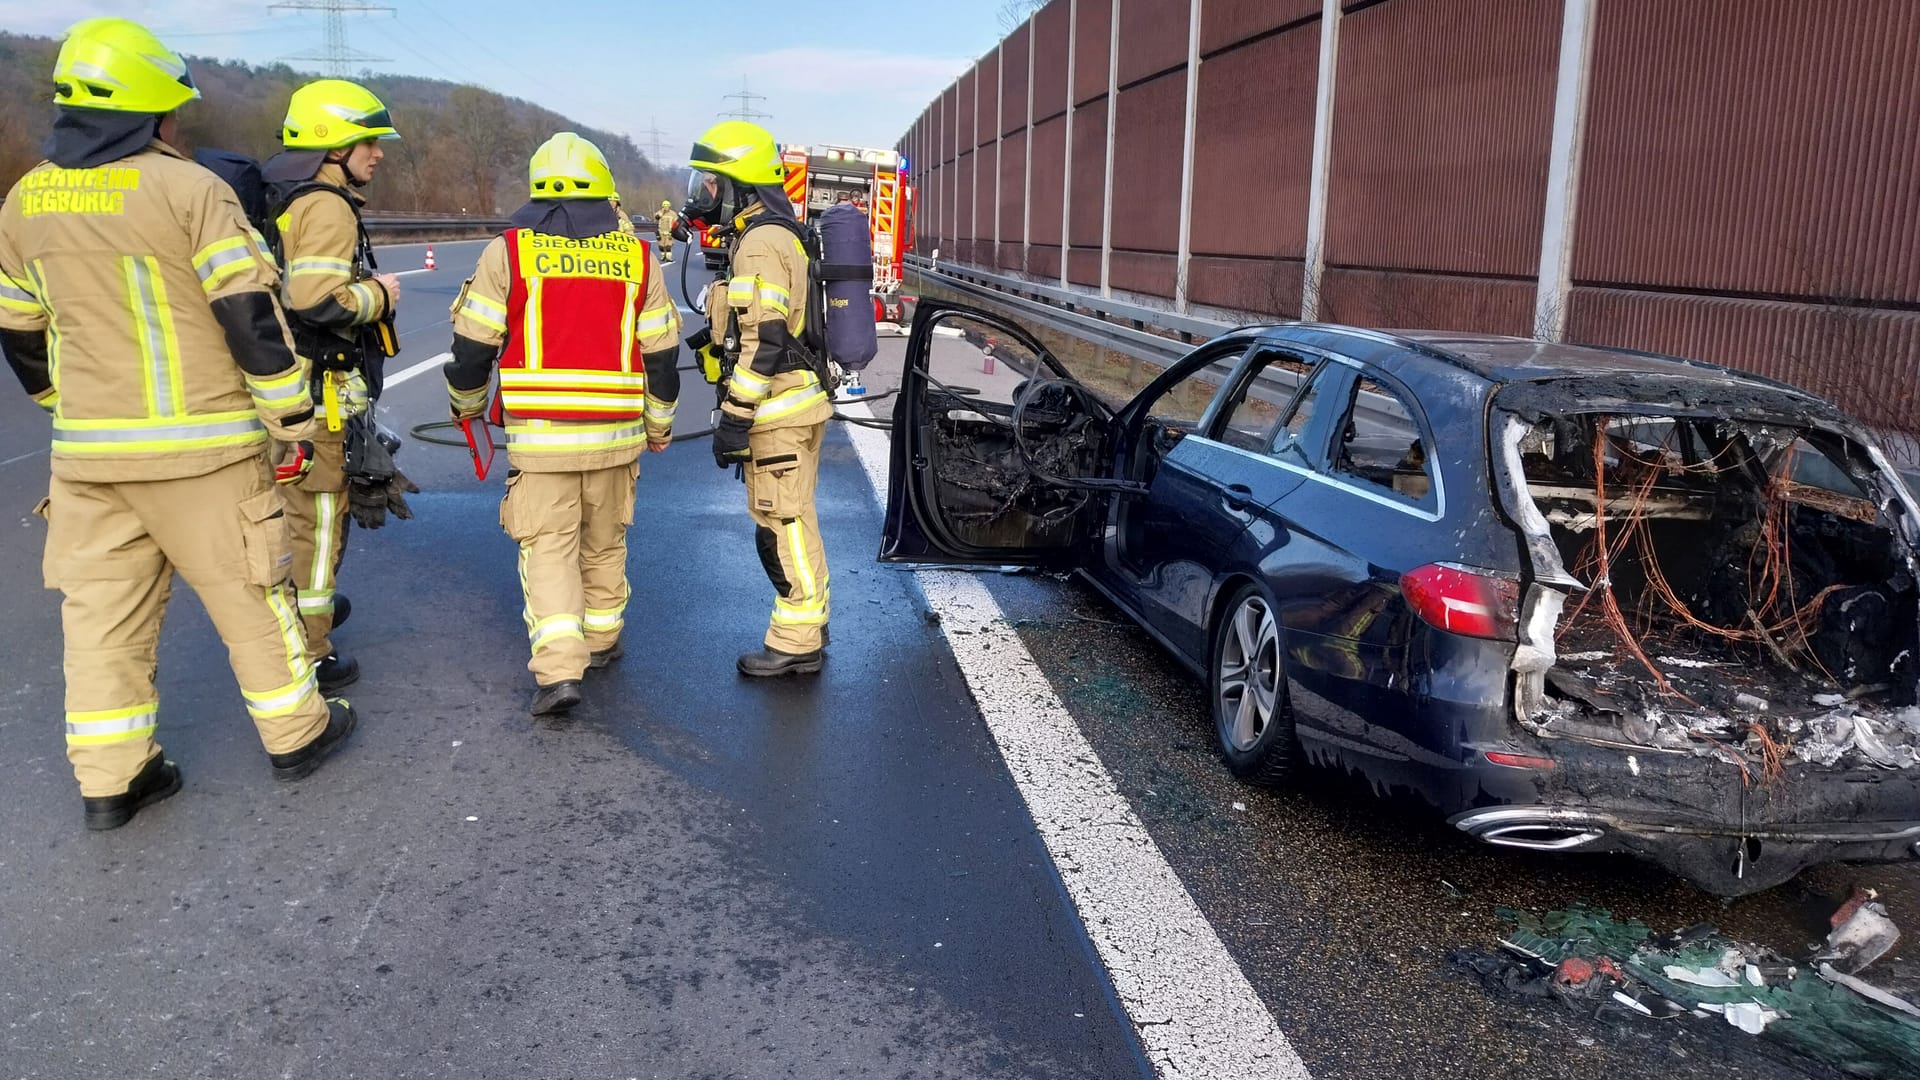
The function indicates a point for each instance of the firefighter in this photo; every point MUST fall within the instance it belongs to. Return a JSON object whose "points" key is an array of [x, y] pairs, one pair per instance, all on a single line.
{"points": [[342, 316], [576, 314], [664, 221], [774, 406], [138, 309], [626, 223]]}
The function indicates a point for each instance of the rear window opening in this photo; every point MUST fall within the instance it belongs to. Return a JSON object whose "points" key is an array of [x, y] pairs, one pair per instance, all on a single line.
{"points": [[1727, 588]]}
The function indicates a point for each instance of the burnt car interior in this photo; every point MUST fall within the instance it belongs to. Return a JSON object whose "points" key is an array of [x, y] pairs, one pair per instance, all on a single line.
{"points": [[995, 467], [1737, 589]]}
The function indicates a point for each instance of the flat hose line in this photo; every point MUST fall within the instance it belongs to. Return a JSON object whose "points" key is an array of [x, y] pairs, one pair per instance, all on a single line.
{"points": [[419, 431]]}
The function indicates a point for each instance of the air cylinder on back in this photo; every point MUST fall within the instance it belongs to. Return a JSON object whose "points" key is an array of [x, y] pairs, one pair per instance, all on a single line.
{"points": [[846, 267]]}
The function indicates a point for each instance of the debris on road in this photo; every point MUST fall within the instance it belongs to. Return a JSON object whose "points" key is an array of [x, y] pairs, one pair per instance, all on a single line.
{"points": [[1596, 964]]}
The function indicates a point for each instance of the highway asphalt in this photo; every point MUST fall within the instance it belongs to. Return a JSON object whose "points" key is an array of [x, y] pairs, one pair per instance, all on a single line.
{"points": [[700, 876]]}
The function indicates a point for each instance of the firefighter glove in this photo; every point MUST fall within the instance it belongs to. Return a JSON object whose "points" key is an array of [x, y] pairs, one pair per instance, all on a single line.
{"points": [[296, 462], [730, 440], [370, 501]]}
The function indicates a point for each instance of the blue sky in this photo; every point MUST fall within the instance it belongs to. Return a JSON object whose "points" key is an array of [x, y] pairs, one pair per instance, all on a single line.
{"points": [[852, 71]]}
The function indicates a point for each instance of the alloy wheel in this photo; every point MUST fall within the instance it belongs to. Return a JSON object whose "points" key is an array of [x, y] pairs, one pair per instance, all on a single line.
{"points": [[1248, 679]]}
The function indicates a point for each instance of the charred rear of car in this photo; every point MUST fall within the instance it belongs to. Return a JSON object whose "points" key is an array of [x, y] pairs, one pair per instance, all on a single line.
{"points": [[1718, 636]]}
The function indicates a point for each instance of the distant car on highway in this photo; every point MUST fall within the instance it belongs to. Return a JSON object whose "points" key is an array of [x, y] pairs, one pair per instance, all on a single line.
{"points": [[1579, 598]]}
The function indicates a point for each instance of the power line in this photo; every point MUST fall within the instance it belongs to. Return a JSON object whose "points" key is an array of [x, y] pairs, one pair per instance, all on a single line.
{"points": [[747, 97], [654, 135], [336, 54]]}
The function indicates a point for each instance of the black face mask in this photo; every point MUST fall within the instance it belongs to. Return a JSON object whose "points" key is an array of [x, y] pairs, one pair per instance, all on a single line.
{"points": [[712, 209]]}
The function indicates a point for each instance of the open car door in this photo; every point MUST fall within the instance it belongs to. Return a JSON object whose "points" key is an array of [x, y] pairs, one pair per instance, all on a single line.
{"points": [[1000, 457]]}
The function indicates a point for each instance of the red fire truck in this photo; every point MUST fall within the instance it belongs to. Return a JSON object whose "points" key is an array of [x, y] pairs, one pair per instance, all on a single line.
{"points": [[879, 181]]}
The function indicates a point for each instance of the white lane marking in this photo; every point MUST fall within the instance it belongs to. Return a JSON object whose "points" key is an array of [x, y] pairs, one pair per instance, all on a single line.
{"points": [[403, 376], [25, 456], [1191, 1005], [422, 270]]}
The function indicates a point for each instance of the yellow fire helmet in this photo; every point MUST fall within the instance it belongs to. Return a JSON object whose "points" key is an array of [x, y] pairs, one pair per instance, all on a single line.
{"points": [[569, 167], [743, 151], [333, 113], [118, 64], [665, 205]]}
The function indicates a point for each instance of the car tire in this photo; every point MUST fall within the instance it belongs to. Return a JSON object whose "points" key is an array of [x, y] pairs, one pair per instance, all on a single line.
{"points": [[1247, 690]]}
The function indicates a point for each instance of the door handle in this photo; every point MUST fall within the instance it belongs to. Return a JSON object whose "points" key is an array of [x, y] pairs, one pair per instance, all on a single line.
{"points": [[1237, 496]]}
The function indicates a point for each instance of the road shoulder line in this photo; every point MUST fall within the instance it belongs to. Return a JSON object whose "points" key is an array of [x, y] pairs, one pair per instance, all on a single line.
{"points": [[1191, 1006]]}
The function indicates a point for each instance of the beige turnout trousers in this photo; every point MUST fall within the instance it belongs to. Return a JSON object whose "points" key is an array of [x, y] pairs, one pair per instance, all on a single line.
{"points": [[572, 532], [317, 522], [780, 487], [112, 549]]}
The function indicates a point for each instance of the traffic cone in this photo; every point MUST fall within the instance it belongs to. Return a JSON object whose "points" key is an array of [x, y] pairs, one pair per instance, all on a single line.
{"points": [[429, 265]]}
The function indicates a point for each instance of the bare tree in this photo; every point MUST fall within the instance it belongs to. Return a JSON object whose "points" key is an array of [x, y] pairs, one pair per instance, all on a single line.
{"points": [[1014, 13]]}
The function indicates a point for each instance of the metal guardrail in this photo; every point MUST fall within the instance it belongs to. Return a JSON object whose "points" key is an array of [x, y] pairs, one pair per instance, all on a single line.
{"points": [[379, 221]]}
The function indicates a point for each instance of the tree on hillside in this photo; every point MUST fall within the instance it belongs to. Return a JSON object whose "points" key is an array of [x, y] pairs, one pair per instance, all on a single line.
{"points": [[1014, 13], [485, 140]]}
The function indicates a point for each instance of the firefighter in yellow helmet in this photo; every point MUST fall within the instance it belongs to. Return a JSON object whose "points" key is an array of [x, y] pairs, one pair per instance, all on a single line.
{"points": [[626, 223], [774, 405], [342, 315], [576, 315], [664, 220], [138, 309]]}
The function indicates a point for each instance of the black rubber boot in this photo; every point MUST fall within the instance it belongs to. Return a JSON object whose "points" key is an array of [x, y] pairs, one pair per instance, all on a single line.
{"points": [[158, 779], [770, 662], [295, 764], [342, 608], [556, 699], [606, 656], [336, 672]]}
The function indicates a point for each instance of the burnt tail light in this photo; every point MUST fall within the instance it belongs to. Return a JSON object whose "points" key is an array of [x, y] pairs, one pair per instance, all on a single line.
{"points": [[1464, 600]]}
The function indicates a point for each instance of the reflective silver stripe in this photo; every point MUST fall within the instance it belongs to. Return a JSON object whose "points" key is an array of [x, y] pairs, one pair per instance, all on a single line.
{"points": [[123, 725], [10, 291], [285, 395], [167, 433], [575, 438], [554, 626], [271, 706], [212, 265], [153, 334]]}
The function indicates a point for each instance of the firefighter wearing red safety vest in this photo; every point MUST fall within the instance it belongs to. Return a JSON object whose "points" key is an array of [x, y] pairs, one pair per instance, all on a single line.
{"points": [[137, 307], [577, 317], [774, 408]]}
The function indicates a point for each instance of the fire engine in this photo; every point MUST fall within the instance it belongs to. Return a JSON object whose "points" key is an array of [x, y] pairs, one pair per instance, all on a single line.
{"points": [[878, 180]]}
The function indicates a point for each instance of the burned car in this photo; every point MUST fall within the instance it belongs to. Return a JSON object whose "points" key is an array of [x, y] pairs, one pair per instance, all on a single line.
{"points": [[1580, 599]]}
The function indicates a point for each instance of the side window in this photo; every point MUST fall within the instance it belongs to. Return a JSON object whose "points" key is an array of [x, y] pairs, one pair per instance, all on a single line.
{"points": [[1269, 402], [1381, 446], [1180, 406]]}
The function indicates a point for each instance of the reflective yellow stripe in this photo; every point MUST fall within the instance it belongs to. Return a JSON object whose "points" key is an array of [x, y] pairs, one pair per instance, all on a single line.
{"points": [[524, 401], [797, 545], [15, 297], [533, 436], [467, 400], [153, 329], [788, 402], [310, 265], [654, 321], [747, 386], [315, 601], [554, 628], [47, 399], [610, 380], [799, 613], [364, 310], [293, 636], [279, 391], [155, 434], [660, 410], [97, 726], [773, 296], [221, 260], [740, 291], [265, 249], [627, 328], [531, 329], [325, 523], [37, 272], [285, 700], [485, 312]]}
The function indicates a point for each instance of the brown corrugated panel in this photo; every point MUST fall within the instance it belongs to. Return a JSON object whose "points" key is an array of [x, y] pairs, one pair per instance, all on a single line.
{"points": [[1143, 272], [1013, 94], [1149, 138], [1013, 186], [1866, 360], [965, 198], [1153, 37], [1049, 178], [1043, 262], [1089, 175], [1083, 266], [1227, 22], [1261, 286], [1782, 159], [943, 133], [966, 105], [1050, 46], [1046, 149], [1253, 166], [1426, 301], [987, 173], [1092, 45], [987, 78], [1442, 121]]}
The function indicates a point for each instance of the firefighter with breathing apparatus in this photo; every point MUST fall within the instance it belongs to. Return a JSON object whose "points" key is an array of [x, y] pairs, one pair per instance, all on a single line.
{"points": [[664, 221], [774, 397]]}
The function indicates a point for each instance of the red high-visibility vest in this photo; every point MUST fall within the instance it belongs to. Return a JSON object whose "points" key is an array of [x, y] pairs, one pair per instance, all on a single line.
{"points": [[571, 313]]}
